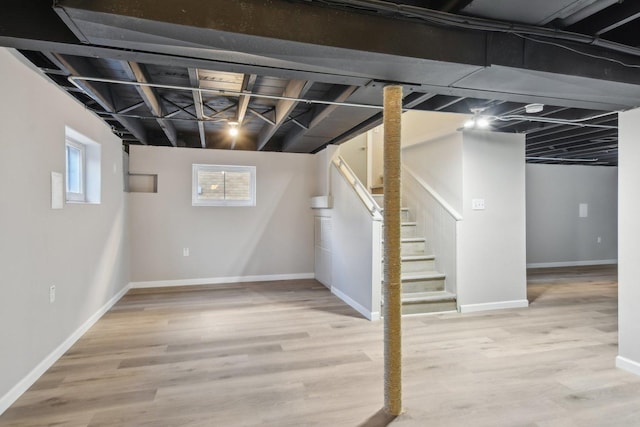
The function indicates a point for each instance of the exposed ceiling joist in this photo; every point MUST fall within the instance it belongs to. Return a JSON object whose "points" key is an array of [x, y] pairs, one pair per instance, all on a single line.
{"points": [[139, 73], [319, 112], [199, 105], [414, 99], [284, 107], [614, 17], [543, 134], [131, 108], [243, 100], [261, 116], [99, 93]]}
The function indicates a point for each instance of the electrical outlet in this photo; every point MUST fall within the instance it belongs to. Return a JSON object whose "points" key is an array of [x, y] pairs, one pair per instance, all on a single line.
{"points": [[185, 251], [52, 294], [599, 239]]}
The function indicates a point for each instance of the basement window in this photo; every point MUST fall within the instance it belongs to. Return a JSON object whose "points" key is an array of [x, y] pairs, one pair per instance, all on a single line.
{"points": [[223, 185], [82, 160]]}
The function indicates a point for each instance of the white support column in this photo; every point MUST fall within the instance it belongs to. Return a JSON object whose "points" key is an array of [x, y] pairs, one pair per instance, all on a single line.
{"points": [[628, 242]]}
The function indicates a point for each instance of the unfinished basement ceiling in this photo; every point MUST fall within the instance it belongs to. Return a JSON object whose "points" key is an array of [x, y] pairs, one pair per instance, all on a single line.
{"points": [[295, 76]]}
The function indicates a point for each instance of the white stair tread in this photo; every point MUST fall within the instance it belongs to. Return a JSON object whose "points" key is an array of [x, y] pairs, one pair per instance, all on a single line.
{"points": [[411, 240], [431, 275], [437, 296], [409, 258], [418, 257]]}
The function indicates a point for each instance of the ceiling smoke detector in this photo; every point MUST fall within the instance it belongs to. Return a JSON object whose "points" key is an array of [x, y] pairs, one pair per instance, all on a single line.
{"points": [[533, 108]]}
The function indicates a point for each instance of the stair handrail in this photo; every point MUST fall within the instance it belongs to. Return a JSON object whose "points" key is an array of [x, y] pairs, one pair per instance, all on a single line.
{"points": [[363, 194], [436, 196]]}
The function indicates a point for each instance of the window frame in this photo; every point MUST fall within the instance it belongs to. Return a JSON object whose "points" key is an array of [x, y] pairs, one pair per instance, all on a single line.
{"points": [[196, 201], [82, 195]]}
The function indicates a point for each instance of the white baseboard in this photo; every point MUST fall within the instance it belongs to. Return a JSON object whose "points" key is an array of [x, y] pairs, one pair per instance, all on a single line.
{"points": [[628, 365], [500, 305], [571, 263], [370, 315], [23, 385], [220, 280]]}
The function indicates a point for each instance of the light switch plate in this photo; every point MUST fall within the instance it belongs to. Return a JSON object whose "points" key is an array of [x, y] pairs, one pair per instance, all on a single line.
{"points": [[583, 210], [477, 204]]}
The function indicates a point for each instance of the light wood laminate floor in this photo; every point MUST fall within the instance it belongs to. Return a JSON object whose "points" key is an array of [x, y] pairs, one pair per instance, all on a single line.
{"points": [[292, 354]]}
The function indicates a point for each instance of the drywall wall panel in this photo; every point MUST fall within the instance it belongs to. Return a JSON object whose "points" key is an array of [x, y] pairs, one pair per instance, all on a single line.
{"points": [[80, 249], [273, 238], [438, 162], [356, 251], [629, 241], [419, 126], [492, 255], [354, 153], [556, 232]]}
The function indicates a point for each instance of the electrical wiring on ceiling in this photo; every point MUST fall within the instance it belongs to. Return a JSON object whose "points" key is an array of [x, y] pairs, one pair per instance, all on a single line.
{"points": [[475, 23]]}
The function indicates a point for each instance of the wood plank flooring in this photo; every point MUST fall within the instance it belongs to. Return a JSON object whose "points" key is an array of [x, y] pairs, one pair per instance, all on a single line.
{"points": [[292, 354]]}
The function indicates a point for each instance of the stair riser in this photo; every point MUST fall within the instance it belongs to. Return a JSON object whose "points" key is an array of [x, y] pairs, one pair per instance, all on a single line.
{"points": [[409, 231], [429, 307], [418, 266], [404, 215], [422, 286], [412, 248]]}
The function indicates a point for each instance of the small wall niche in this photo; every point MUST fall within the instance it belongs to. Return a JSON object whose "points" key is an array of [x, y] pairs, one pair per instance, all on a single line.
{"points": [[143, 183]]}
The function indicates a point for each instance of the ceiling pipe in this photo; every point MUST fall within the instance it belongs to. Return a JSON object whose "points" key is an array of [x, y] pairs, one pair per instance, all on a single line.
{"points": [[75, 79], [576, 122], [560, 159]]}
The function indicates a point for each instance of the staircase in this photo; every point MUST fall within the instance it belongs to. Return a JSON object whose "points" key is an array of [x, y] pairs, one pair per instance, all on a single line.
{"points": [[423, 288]]}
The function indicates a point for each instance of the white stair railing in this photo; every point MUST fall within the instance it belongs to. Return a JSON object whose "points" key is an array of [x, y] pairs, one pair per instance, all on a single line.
{"points": [[439, 221], [363, 194]]}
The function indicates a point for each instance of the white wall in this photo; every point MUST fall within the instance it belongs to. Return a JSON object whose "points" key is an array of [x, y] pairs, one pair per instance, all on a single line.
{"points": [[438, 161], [356, 252], [629, 242], [272, 240], [491, 245], [354, 152], [322, 217], [556, 235], [81, 249], [417, 126]]}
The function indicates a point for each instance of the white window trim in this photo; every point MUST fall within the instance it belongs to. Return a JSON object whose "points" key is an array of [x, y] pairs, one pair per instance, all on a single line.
{"points": [[195, 201], [72, 196], [91, 168]]}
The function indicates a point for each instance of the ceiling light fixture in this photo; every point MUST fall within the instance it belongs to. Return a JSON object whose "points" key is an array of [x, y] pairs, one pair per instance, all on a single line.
{"points": [[233, 128], [533, 108], [477, 121], [482, 122]]}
